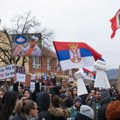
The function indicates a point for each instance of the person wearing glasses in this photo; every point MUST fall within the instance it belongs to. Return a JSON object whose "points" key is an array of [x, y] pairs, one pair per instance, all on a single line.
{"points": [[26, 109]]}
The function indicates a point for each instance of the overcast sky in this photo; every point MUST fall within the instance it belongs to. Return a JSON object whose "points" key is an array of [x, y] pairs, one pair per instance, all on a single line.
{"points": [[73, 20]]}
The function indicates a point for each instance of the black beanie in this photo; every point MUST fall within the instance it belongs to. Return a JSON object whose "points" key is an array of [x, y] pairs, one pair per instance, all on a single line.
{"points": [[43, 101]]}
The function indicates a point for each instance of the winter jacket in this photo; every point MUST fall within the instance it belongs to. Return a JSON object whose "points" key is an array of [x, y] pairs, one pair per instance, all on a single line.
{"points": [[43, 101], [102, 110], [19, 117], [45, 115], [82, 117], [74, 111]]}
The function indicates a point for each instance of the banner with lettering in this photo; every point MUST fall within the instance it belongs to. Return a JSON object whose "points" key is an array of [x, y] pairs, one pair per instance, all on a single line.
{"points": [[7, 71]]}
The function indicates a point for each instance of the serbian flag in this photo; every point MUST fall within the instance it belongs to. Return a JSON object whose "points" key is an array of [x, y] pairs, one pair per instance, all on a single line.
{"points": [[115, 23], [75, 54], [89, 74]]}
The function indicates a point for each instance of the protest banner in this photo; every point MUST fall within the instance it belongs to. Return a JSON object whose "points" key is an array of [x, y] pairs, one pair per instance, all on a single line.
{"points": [[7, 71]]}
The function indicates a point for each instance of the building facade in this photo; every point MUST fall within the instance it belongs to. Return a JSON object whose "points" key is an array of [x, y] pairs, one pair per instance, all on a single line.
{"points": [[46, 66]]}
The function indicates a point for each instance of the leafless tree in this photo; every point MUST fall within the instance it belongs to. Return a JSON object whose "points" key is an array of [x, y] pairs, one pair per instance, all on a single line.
{"points": [[24, 24]]}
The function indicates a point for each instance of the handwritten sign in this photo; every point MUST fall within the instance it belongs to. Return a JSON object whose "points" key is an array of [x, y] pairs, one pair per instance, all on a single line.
{"points": [[7, 71]]}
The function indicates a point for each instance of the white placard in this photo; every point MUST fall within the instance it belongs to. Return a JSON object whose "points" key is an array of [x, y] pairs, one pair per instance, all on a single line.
{"points": [[20, 77], [101, 80], [33, 76], [7, 71], [81, 87], [32, 86]]}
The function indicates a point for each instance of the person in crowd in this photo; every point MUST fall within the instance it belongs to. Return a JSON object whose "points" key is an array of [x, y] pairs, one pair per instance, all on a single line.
{"points": [[89, 98], [76, 107], [37, 89], [2, 92], [74, 92], [26, 110], [53, 80], [64, 105], [7, 105], [62, 90], [113, 110], [43, 101], [63, 100], [51, 92], [114, 93], [15, 86], [69, 97], [95, 102], [105, 100], [20, 90], [86, 113], [27, 94], [56, 89], [55, 111]]}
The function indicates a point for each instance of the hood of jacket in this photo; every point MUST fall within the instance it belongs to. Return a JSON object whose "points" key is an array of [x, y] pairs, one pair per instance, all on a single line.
{"points": [[43, 101], [19, 117], [57, 112], [105, 101]]}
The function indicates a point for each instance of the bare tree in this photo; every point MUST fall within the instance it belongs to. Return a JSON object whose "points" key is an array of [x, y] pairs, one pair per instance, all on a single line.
{"points": [[24, 24], [5, 48]]}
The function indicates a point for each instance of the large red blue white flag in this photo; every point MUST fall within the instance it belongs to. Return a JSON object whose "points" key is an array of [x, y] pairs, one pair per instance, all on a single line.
{"points": [[115, 23], [75, 54]]}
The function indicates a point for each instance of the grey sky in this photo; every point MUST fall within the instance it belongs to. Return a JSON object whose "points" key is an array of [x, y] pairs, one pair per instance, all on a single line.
{"points": [[73, 20]]}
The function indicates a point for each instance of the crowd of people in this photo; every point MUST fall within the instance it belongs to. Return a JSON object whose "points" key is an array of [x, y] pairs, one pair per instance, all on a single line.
{"points": [[59, 103]]}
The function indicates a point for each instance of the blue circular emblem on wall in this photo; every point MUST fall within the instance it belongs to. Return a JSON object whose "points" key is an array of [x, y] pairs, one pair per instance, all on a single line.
{"points": [[20, 39]]}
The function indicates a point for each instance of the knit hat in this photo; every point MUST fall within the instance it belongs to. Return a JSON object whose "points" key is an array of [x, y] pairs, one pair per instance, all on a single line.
{"points": [[87, 111], [77, 98], [104, 94]]}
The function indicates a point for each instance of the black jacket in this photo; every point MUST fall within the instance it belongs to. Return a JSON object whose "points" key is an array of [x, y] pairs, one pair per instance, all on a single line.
{"points": [[43, 101], [102, 110], [45, 115], [82, 117], [19, 117]]}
